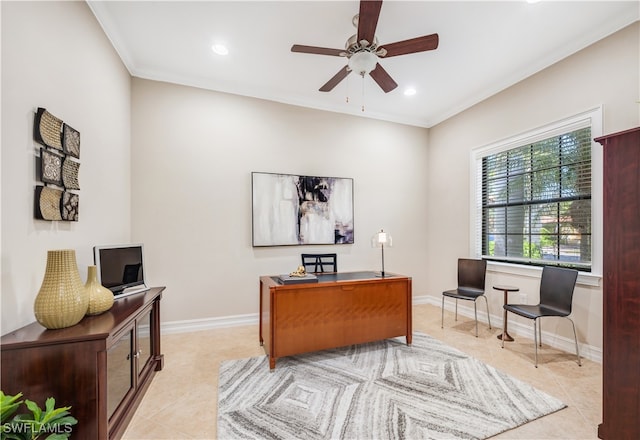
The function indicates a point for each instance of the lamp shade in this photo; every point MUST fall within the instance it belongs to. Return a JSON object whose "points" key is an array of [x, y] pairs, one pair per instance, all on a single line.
{"points": [[363, 62], [381, 239]]}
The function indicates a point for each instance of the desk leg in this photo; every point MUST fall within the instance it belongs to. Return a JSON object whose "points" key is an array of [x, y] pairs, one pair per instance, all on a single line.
{"points": [[507, 336], [260, 315], [409, 313]]}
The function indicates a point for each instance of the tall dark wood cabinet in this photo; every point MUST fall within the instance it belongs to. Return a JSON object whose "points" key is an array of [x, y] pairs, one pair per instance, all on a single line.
{"points": [[621, 289], [100, 367]]}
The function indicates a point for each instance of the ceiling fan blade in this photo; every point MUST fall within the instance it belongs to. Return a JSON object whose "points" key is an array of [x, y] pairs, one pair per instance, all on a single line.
{"points": [[368, 19], [419, 44], [317, 50], [342, 74], [383, 79]]}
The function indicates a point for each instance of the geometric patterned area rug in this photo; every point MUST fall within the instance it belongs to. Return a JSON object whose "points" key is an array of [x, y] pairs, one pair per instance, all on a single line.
{"points": [[378, 390]]}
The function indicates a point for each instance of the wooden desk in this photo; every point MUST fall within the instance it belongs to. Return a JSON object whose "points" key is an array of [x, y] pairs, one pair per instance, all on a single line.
{"points": [[341, 309]]}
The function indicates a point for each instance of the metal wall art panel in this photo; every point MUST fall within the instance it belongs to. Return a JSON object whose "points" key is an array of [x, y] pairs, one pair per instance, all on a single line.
{"points": [[51, 167], [47, 203], [71, 141], [70, 171], [48, 129], [69, 206]]}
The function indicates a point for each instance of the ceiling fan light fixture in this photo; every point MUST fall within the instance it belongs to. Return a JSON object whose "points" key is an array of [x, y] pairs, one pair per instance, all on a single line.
{"points": [[409, 91], [363, 62], [220, 49]]}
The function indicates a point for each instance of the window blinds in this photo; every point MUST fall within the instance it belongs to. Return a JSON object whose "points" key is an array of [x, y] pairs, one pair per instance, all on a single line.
{"points": [[536, 201]]}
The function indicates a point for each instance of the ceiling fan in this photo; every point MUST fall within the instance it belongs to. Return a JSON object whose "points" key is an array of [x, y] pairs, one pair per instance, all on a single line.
{"points": [[362, 49]]}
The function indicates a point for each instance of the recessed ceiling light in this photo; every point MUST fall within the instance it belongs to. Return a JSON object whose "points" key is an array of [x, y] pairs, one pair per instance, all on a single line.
{"points": [[410, 91], [220, 49]]}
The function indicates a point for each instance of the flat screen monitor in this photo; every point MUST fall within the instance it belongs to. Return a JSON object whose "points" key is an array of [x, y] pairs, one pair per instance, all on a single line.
{"points": [[121, 268]]}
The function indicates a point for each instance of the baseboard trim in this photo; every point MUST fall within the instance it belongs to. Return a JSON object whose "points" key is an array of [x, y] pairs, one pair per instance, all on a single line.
{"points": [[195, 325], [516, 328]]}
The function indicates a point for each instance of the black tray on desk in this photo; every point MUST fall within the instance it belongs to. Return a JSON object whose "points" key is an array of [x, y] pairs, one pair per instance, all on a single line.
{"points": [[288, 279]]}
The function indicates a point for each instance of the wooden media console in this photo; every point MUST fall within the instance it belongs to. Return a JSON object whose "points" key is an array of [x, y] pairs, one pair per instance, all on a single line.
{"points": [[101, 367]]}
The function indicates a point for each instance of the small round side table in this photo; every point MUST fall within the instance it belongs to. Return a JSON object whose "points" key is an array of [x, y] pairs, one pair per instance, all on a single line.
{"points": [[506, 290]]}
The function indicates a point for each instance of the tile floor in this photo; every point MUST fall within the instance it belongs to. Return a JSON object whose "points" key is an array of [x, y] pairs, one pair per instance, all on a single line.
{"points": [[181, 402]]}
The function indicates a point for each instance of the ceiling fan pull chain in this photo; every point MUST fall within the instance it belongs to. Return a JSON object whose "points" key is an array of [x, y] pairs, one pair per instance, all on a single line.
{"points": [[348, 90], [363, 93]]}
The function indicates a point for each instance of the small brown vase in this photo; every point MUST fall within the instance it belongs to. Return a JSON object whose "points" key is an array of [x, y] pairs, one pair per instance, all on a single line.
{"points": [[100, 298], [62, 300]]}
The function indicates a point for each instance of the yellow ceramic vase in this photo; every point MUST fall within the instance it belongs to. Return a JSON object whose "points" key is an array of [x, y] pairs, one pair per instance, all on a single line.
{"points": [[62, 300], [100, 298]]}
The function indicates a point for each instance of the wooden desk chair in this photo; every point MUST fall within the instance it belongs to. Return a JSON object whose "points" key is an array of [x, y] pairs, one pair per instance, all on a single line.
{"points": [[316, 263]]}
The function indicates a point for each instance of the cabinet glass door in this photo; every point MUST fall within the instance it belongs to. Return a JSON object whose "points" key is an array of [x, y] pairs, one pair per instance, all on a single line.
{"points": [[145, 342], [119, 371]]}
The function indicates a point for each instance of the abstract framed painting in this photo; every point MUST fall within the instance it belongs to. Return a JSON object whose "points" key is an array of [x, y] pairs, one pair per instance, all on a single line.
{"points": [[293, 209]]}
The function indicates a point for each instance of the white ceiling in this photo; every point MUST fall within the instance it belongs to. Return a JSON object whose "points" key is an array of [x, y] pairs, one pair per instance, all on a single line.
{"points": [[484, 48]]}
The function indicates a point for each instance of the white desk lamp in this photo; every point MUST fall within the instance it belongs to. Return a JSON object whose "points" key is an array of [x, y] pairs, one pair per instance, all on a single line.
{"points": [[381, 239]]}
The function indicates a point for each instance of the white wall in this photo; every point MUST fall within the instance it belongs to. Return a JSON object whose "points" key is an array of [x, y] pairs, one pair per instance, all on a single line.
{"points": [[193, 152], [607, 74], [56, 56]]}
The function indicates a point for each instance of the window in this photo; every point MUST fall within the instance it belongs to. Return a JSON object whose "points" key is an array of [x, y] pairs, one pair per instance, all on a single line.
{"points": [[534, 198]]}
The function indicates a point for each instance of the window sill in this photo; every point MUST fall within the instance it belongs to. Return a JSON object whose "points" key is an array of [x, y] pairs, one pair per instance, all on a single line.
{"points": [[584, 278]]}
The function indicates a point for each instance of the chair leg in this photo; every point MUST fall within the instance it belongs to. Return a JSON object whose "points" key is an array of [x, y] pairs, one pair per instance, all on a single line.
{"points": [[475, 313], [540, 333], [488, 315], [535, 338], [442, 320], [575, 338], [504, 331]]}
